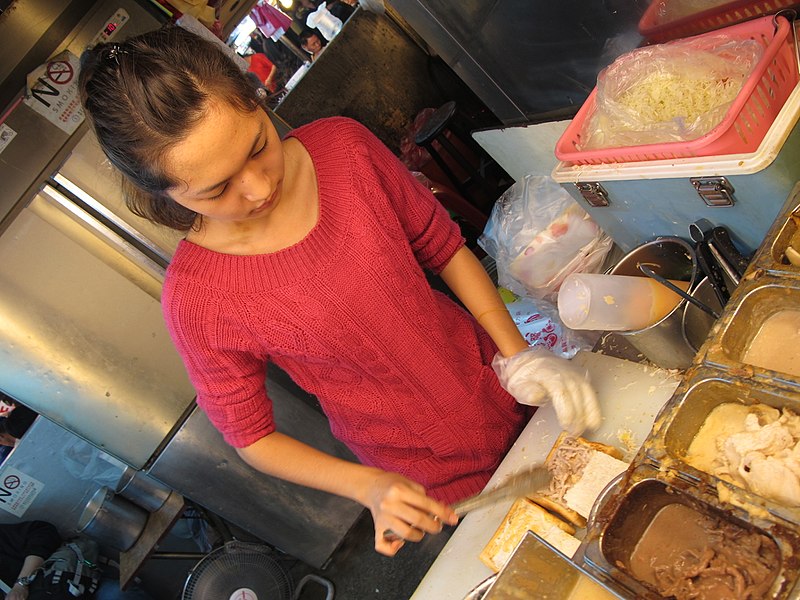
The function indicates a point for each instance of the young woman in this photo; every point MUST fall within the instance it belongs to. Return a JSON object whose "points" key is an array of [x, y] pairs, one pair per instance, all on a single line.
{"points": [[310, 252]]}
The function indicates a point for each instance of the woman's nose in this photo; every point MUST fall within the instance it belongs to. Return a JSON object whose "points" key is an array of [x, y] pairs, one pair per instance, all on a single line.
{"points": [[255, 185]]}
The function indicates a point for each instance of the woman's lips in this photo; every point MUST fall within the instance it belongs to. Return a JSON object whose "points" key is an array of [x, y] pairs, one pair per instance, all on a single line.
{"points": [[266, 204]]}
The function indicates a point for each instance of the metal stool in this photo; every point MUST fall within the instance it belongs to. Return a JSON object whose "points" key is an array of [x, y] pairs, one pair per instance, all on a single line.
{"points": [[436, 129]]}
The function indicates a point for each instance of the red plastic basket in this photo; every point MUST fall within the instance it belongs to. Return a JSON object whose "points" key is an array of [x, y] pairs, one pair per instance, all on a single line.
{"points": [[707, 20], [744, 125]]}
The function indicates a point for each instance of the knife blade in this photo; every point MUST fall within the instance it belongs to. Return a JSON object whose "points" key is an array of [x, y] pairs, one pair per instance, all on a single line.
{"points": [[518, 485]]}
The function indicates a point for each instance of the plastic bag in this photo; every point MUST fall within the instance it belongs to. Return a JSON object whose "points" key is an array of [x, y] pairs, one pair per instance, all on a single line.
{"points": [[678, 91], [537, 235], [540, 325]]}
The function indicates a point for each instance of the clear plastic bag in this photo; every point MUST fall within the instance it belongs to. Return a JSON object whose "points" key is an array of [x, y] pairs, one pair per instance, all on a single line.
{"points": [[678, 91], [537, 234]]}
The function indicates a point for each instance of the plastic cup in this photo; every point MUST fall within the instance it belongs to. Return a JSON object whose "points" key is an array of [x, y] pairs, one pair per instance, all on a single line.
{"points": [[601, 302]]}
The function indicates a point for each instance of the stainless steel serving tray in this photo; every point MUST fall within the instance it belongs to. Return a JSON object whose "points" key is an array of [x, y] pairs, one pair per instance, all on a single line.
{"points": [[667, 446], [770, 257], [753, 304], [623, 517]]}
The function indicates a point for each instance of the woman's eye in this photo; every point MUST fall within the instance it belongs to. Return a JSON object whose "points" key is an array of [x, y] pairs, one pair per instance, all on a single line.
{"points": [[260, 150], [218, 195]]}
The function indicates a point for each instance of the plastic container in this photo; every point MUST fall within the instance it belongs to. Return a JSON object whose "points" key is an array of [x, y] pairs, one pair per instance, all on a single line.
{"points": [[647, 199], [614, 302], [663, 342], [652, 27], [745, 124]]}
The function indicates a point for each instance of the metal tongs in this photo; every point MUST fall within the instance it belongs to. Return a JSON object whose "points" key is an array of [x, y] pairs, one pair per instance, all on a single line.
{"points": [[717, 257]]}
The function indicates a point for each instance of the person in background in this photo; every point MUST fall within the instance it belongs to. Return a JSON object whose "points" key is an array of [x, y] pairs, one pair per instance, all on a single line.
{"points": [[341, 10], [312, 42], [311, 252], [23, 548], [257, 42], [15, 422], [303, 9], [263, 69]]}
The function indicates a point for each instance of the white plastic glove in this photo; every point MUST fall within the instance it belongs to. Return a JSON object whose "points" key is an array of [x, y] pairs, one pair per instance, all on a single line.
{"points": [[536, 376]]}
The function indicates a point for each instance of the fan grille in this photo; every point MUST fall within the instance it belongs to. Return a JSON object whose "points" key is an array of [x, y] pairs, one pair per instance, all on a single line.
{"points": [[235, 566]]}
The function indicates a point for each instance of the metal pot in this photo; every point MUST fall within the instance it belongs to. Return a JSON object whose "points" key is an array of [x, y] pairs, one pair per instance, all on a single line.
{"points": [[663, 342], [142, 489], [112, 520], [696, 323]]}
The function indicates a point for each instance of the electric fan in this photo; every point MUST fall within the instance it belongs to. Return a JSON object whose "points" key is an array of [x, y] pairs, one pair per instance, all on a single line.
{"points": [[238, 571]]}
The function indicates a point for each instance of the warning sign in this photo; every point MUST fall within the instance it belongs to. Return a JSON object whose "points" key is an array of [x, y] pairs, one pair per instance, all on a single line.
{"points": [[6, 135], [53, 92], [17, 491]]}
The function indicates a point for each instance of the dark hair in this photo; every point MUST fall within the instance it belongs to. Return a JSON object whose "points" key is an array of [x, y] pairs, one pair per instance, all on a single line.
{"points": [[143, 96], [307, 33]]}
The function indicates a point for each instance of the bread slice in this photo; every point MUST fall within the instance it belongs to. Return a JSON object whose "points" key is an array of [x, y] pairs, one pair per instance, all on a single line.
{"points": [[523, 516], [560, 509], [580, 469]]}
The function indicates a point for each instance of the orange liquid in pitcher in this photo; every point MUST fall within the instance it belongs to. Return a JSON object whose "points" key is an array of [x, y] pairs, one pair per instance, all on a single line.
{"points": [[664, 299]]}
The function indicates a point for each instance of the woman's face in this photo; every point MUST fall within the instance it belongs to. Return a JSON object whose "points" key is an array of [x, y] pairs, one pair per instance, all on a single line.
{"points": [[231, 165]]}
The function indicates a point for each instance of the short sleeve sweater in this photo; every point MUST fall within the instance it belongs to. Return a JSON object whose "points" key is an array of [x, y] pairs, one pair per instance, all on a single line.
{"points": [[401, 371]]}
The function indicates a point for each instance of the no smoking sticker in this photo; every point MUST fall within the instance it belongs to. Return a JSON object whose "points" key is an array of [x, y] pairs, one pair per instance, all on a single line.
{"points": [[60, 72], [17, 491], [53, 92], [6, 135]]}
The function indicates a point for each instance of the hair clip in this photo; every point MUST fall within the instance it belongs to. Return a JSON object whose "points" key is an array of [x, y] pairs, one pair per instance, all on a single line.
{"points": [[261, 93], [114, 52]]}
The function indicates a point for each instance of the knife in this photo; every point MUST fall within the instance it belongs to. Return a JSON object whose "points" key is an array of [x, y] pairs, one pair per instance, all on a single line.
{"points": [[518, 485], [721, 240]]}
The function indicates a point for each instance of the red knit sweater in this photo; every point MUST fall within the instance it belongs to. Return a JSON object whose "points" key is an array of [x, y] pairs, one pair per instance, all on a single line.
{"points": [[402, 372]]}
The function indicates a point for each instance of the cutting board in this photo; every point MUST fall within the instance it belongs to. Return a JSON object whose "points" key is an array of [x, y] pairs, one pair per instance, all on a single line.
{"points": [[630, 395]]}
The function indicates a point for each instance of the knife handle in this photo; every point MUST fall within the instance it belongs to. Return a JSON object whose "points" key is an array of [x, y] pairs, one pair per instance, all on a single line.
{"points": [[721, 239], [712, 270]]}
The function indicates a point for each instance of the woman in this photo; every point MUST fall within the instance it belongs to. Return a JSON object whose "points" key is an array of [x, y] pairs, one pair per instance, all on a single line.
{"points": [[310, 252]]}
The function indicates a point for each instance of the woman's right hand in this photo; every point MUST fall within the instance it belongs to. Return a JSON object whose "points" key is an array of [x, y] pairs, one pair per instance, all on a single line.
{"points": [[402, 511]]}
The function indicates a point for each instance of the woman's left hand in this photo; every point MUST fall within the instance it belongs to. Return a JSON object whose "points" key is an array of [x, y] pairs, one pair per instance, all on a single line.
{"points": [[536, 376]]}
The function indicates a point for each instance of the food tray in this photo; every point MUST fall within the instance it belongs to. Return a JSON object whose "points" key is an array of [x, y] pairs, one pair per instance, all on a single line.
{"points": [[771, 255], [752, 316], [621, 523], [654, 30], [744, 125], [667, 448]]}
